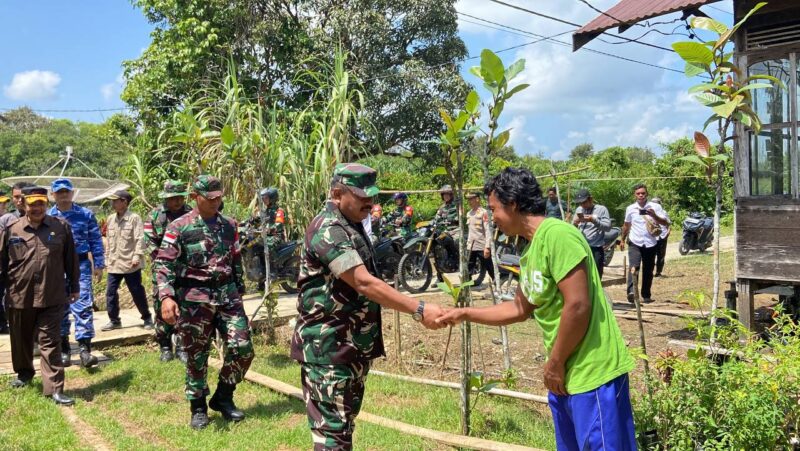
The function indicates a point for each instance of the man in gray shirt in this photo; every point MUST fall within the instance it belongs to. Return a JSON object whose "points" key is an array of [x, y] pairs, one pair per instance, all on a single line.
{"points": [[593, 221]]}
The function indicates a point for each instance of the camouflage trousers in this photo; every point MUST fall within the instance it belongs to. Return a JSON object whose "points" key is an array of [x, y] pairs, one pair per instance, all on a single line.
{"points": [[196, 324], [164, 331], [333, 395]]}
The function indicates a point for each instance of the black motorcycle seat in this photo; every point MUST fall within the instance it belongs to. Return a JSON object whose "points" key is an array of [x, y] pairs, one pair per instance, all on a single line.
{"points": [[611, 235], [286, 247], [509, 260]]}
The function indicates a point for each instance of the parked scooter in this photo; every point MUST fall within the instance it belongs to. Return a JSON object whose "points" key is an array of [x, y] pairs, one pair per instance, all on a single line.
{"points": [[698, 233], [415, 271], [610, 242], [284, 263]]}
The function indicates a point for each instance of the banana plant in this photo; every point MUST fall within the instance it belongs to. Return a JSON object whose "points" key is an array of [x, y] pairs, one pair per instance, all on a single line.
{"points": [[728, 93]]}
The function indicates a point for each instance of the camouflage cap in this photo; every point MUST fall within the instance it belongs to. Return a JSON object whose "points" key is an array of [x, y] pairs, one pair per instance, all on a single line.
{"points": [[446, 189], [173, 188], [357, 176], [208, 186]]}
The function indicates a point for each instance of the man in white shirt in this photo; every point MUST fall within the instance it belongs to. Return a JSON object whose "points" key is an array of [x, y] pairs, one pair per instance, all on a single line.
{"points": [[643, 226]]}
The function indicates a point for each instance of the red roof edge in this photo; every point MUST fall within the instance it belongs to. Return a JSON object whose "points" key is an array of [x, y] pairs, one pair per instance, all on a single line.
{"points": [[629, 12]]}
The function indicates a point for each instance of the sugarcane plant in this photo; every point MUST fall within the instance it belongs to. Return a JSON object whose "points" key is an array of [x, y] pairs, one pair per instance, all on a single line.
{"points": [[728, 92]]}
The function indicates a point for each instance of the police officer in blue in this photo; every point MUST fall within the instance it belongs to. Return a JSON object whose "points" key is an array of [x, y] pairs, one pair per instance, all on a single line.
{"points": [[87, 241]]}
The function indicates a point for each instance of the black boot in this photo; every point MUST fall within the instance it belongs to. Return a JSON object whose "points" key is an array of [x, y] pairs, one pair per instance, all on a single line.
{"points": [[87, 359], [166, 349], [180, 353], [222, 402], [199, 413], [65, 351]]}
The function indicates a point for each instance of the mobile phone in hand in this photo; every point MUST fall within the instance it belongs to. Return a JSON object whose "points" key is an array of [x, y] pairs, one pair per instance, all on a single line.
{"points": [[642, 211]]}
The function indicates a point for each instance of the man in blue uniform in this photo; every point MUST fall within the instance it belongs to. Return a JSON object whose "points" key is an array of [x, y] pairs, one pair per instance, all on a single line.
{"points": [[87, 241]]}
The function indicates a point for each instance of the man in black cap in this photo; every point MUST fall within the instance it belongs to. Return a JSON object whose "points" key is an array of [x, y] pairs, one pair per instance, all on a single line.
{"points": [[593, 221], [124, 260], [37, 251]]}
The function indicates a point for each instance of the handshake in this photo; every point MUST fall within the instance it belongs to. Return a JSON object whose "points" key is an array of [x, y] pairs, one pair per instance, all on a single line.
{"points": [[436, 317]]}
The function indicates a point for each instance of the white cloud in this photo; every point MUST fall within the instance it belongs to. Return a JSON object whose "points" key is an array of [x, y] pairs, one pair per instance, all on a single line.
{"points": [[33, 85], [111, 91]]}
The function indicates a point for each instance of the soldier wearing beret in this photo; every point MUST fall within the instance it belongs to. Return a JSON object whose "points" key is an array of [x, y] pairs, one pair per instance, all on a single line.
{"points": [[338, 331], [199, 274]]}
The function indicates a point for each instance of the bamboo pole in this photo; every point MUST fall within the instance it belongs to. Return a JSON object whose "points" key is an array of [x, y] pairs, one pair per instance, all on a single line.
{"points": [[436, 383], [459, 441]]}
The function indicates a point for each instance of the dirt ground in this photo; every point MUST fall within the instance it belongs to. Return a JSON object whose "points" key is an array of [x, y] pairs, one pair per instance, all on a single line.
{"points": [[423, 352]]}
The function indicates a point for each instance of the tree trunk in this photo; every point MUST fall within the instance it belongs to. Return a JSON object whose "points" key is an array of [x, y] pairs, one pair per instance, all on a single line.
{"points": [[463, 301], [717, 213]]}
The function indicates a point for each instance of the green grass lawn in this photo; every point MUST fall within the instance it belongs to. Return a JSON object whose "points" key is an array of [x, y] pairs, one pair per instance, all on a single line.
{"points": [[137, 403]]}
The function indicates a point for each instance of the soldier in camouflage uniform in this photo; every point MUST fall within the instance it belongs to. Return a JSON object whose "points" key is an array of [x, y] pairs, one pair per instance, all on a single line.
{"points": [[400, 218], [446, 221], [338, 330], [272, 218], [199, 273], [173, 207]]}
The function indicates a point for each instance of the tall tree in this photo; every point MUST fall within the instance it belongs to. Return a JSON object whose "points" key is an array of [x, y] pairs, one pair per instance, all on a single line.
{"points": [[581, 152], [403, 53]]}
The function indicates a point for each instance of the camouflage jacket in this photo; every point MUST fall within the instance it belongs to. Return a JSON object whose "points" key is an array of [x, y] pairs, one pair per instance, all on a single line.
{"points": [[401, 219], [155, 225], [335, 324], [200, 263], [446, 218], [273, 220]]}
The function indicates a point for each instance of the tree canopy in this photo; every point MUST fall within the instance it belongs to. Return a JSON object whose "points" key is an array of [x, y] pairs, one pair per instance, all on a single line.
{"points": [[402, 53]]}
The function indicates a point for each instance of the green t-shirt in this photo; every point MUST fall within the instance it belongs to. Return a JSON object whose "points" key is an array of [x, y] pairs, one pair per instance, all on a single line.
{"points": [[601, 356]]}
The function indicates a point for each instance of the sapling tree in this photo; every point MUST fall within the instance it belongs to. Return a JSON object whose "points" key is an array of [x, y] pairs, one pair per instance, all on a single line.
{"points": [[729, 94]]}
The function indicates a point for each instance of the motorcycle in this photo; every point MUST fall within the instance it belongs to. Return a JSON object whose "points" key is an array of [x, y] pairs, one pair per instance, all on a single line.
{"points": [[388, 252], [509, 276], [284, 263], [610, 242], [415, 271], [698, 233]]}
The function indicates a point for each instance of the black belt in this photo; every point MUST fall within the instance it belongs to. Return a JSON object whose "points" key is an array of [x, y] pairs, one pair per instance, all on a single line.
{"points": [[194, 283], [83, 257]]}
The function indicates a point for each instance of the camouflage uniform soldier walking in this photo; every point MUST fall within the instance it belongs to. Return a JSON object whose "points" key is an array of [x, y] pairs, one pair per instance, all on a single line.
{"points": [[199, 273], [173, 207], [338, 329], [272, 218]]}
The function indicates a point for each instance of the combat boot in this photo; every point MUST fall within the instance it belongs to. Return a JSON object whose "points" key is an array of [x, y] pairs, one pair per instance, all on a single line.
{"points": [[222, 402], [166, 349], [181, 353], [87, 359], [65, 351], [199, 413]]}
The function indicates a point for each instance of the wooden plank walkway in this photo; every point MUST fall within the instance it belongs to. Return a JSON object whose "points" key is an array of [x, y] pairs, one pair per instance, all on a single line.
{"points": [[132, 331]]}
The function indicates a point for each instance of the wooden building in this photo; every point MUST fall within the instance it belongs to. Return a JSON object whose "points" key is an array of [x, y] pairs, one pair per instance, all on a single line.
{"points": [[766, 169]]}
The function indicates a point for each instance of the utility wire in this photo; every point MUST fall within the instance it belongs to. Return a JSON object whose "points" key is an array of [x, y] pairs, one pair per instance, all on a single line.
{"points": [[720, 9]]}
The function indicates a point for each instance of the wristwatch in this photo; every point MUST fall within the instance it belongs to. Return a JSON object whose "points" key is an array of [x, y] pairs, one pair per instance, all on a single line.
{"points": [[417, 316]]}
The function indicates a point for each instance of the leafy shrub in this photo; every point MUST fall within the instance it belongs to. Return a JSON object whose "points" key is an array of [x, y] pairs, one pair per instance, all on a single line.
{"points": [[745, 400]]}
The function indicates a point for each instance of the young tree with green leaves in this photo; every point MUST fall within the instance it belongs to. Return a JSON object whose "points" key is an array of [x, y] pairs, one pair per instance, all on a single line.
{"points": [[728, 93]]}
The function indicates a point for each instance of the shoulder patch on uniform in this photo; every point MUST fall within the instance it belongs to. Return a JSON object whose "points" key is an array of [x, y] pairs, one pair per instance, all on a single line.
{"points": [[280, 216], [410, 210], [148, 227], [170, 237]]}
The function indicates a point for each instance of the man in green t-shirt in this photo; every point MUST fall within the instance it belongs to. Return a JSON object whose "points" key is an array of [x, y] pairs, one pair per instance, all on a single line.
{"points": [[588, 363]]}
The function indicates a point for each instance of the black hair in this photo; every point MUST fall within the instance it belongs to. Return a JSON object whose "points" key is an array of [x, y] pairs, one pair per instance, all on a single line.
{"points": [[639, 186], [517, 186], [552, 189], [22, 185]]}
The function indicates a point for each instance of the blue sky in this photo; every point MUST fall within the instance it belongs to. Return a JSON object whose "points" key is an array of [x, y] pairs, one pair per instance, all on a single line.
{"points": [[67, 55]]}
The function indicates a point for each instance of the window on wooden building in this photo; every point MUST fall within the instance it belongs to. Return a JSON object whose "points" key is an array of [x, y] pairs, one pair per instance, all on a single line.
{"points": [[772, 149]]}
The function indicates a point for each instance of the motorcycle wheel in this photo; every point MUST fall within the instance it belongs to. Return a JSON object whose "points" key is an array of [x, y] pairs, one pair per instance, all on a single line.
{"points": [[413, 273], [683, 248], [388, 266], [608, 255], [292, 272]]}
